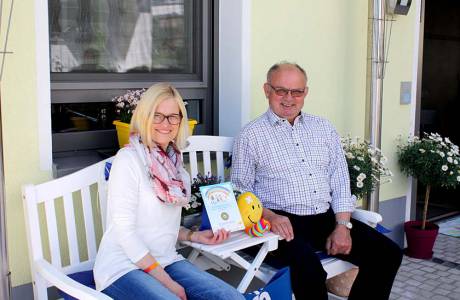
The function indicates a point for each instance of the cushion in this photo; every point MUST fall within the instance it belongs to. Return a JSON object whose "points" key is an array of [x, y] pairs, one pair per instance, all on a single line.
{"points": [[86, 278]]}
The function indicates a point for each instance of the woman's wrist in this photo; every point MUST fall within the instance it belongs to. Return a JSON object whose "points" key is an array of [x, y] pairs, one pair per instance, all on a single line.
{"points": [[190, 235]]}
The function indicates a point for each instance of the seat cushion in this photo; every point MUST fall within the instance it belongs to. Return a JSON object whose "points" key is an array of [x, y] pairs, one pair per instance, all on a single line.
{"points": [[86, 278]]}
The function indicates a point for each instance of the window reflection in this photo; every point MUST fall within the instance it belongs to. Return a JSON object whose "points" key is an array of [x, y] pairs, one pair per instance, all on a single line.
{"points": [[120, 36]]}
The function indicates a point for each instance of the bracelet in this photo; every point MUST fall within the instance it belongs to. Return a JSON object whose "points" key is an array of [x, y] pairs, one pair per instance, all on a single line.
{"points": [[151, 267], [189, 235]]}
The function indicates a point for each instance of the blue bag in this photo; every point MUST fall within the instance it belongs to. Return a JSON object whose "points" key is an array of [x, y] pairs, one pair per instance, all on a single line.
{"points": [[278, 288]]}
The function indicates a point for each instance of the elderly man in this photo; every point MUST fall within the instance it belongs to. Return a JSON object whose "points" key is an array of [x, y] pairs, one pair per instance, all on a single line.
{"points": [[294, 163]]}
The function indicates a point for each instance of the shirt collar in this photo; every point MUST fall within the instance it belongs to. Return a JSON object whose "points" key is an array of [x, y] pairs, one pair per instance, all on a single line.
{"points": [[274, 119]]}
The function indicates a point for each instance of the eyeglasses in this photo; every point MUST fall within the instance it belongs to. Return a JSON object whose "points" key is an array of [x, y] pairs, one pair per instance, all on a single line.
{"points": [[173, 119], [280, 91]]}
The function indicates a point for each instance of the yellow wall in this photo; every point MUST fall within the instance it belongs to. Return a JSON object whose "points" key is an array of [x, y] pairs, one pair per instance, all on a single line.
{"points": [[329, 39], [20, 134], [396, 117]]}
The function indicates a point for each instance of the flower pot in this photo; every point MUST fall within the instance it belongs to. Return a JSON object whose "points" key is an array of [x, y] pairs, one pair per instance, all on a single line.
{"points": [[123, 131], [420, 242]]}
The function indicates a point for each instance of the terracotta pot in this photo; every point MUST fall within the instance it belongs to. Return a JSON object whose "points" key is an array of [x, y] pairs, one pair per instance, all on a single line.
{"points": [[420, 242]]}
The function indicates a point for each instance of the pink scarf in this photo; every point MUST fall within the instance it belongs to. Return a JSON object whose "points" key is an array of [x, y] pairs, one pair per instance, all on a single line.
{"points": [[163, 170]]}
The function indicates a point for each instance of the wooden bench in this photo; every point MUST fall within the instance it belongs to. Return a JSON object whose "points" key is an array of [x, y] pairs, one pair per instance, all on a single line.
{"points": [[65, 219]]}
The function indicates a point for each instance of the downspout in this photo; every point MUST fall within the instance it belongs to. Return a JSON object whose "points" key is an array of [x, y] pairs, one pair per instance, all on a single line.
{"points": [[376, 34], [5, 283], [5, 274]]}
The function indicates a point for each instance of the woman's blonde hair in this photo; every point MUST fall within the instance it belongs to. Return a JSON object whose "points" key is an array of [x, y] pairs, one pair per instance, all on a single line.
{"points": [[142, 120]]}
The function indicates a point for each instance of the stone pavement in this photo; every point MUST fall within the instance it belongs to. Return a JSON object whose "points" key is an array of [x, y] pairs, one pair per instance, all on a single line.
{"points": [[435, 279]]}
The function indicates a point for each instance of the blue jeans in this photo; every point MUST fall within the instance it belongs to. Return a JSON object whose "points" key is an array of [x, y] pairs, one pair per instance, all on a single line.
{"points": [[197, 284]]}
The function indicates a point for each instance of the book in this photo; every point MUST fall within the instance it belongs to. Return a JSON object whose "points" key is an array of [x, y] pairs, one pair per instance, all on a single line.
{"points": [[221, 207]]}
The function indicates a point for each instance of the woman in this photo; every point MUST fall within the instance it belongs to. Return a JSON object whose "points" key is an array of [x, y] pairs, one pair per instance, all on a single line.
{"points": [[148, 187]]}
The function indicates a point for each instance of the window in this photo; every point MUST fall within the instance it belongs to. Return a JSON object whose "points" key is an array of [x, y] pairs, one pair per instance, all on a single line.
{"points": [[124, 36], [101, 48]]}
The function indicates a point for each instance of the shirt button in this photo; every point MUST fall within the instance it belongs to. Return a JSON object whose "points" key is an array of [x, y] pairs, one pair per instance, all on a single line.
{"points": [[303, 160], [314, 192], [309, 174], [297, 144]]}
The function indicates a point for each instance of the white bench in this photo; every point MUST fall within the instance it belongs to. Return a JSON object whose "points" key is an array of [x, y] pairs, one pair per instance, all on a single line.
{"points": [[65, 219]]}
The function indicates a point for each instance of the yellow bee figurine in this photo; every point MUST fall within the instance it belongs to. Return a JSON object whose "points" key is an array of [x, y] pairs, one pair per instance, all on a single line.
{"points": [[251, 213]]}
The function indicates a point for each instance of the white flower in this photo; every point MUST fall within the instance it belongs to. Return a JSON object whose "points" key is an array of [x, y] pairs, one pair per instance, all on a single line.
{"points": [[441, 154], [361, 177], [455, 162], [360, 158], [444, 168], [356, 168], [458, 178], [421, 150], [449, 153], [451, 173], [360, 184], [449, 159], [350, 155]]}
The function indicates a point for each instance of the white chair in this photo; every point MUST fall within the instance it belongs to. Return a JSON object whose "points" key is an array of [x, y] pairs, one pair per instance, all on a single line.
{"points": [[47, 206], [221, 256]]}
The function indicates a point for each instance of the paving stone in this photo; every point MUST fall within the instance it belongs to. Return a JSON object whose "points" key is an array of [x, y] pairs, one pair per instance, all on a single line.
{"points": [[439, 297], [413, 282], [431, 276], [454, 271], [428, 269], [441, 291], [417, 272]]}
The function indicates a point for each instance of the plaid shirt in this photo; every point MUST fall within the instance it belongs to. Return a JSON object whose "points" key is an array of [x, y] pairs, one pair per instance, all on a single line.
{"points": [[300, 168]]}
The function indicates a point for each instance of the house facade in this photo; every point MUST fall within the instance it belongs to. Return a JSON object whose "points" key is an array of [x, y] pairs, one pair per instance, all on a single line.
{"points": [[328, 38]]}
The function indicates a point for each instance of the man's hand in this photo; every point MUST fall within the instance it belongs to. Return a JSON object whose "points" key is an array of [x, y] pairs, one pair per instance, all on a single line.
{"points": [[339, 242], [281, 225], [209, 238]]}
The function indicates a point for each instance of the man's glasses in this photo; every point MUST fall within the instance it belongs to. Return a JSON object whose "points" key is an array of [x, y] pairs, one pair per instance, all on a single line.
{"points": [[173, 119], [280, 91]]}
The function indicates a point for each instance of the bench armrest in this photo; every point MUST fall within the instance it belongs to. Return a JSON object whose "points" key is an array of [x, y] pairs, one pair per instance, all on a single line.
{"points": [[367, 217], [58, 279]]}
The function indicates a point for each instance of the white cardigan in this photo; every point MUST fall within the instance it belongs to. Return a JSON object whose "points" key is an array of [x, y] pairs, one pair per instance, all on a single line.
{"points": [[137, 222]]}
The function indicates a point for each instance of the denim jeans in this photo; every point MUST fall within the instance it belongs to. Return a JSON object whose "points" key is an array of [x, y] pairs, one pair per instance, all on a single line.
{"points": [[198, 285]]}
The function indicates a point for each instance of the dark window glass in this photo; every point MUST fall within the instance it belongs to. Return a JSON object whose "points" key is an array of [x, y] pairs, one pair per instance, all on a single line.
{"points": [[122, 36]]}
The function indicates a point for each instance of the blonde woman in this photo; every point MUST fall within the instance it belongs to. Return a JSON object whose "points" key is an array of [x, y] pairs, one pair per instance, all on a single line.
{"points": [[148, 186]]}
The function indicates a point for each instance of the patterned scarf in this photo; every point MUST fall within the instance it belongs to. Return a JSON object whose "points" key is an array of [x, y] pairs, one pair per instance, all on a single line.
{"points": [[163, 170]]}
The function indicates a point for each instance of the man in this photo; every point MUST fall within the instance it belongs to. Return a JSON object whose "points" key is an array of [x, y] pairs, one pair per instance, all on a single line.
{"points": [[295, 164]]}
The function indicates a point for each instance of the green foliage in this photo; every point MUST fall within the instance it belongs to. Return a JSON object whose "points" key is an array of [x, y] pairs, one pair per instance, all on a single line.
{"points": [[432, 160], [366, 166]]}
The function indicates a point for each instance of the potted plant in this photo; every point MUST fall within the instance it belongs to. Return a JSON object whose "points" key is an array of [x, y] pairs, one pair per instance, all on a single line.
{"points": [[366, 166], [433, 161], [125, 105]]}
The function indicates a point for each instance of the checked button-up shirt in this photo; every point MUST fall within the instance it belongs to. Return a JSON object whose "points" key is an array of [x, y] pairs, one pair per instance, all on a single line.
{"points": [[300, 168]]}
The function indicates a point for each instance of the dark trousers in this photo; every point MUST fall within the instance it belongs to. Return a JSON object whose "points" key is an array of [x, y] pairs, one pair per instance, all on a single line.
{"points": [[377, 257]]}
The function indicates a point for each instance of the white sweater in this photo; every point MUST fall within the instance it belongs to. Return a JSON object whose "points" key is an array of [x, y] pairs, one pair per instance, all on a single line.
{"points": [[137, 222]]}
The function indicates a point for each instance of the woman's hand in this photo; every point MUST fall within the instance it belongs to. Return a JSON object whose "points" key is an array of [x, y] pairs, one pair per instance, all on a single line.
{"points": [[176, 289], [163, 277], [209, 238]]}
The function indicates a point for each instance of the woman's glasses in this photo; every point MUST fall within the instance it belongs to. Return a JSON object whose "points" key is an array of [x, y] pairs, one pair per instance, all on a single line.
{"points": [[173, 119], [280, 91]]}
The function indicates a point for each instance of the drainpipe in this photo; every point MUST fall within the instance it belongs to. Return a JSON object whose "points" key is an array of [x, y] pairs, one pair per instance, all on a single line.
{"points": [[376, 34], [5, 283]]}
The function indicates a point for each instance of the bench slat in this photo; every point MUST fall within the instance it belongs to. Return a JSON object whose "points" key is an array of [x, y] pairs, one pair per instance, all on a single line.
{"points": [[207, 163], [50, 212], [69, 213], [89, 223]]}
